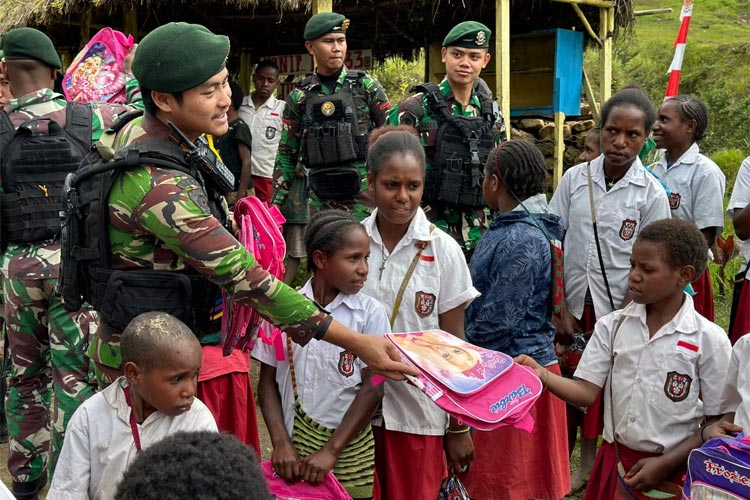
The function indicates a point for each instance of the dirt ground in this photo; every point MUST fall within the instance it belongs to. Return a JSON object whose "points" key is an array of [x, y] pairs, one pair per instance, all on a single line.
{"points": [[265, 444]]}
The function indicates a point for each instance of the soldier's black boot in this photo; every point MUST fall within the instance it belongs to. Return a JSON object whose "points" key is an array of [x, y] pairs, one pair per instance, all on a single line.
{"points": [[29, 490]]}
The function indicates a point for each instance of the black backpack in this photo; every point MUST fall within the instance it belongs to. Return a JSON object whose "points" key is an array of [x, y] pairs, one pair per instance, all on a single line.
{"points": [[33, 168]]}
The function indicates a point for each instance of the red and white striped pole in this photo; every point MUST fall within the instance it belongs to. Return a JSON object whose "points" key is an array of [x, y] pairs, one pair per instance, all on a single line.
{"points": [[675, 68]]}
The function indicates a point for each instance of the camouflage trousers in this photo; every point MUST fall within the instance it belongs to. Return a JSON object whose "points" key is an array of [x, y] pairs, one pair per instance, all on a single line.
{"points": [[47, 346], [465, 226]]}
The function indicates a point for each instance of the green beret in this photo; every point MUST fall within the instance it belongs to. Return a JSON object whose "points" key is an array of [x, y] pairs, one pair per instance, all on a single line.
{"points": [[324, 23], [179, 56], [29, 43], [468, 34]]}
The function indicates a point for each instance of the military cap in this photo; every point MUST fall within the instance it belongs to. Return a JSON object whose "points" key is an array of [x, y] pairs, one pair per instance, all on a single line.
{"points": [[324, 23], [468, 34], [179, 56], [29, 43]]}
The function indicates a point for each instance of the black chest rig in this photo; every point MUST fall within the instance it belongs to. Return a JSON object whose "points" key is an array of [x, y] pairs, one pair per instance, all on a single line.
{"points": [[87, 271], [461, 149], [333, 139], [33, 169]]}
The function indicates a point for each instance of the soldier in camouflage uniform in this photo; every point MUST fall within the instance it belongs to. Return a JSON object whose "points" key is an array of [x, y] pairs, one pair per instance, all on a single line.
{"points": [[465, 54], [325, 39], [165, 220], [47, 344]]}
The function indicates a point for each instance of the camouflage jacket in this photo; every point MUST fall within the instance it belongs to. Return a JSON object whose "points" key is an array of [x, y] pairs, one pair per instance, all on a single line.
{"points": [[465, 226], [42, 260], [160, 219], [428, 133], [372, 111]]}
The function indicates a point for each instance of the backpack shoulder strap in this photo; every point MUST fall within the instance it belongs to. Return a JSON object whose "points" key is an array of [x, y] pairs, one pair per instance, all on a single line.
{"points": [[7, 132], [78, 123]]}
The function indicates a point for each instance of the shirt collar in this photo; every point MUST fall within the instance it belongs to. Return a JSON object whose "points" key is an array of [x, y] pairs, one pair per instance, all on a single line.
{"points": [[419, 228], [688, 157], [38, 97], [536, 204], [270, 102], [447, 91], [636, 174], [684, 321], [349, 301], [155, 128]]}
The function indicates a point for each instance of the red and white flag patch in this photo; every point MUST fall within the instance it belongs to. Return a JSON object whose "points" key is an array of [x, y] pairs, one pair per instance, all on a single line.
{"points": [[687, 347]]}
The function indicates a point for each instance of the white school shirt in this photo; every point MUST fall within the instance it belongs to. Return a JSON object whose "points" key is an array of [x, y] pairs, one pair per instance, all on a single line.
{"points": [[697, 187], [635, 201], [736, 395], [441, 281], [657, 381], [265, 127], [99, 444], [739, 199], [325, 385]]}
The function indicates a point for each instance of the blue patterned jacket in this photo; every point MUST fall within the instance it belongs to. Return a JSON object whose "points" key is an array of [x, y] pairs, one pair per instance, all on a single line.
{"points": [[511, 268]]}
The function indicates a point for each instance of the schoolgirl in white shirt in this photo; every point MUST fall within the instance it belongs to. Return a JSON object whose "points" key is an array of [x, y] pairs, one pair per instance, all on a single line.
{"points": [[663, 366], [318, 401], [695, 182], [625, 199], [408, 252]]}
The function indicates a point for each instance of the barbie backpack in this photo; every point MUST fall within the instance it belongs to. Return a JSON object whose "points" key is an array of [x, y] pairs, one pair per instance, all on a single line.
{"points": [[720, 469], [260, 232], [329, 489], [482, 388], [95, 75]]}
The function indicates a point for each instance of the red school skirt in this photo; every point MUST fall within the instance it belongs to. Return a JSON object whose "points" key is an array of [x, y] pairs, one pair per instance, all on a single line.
{"points": [[603, 480], [741, 320], [591, 422], [512, 464], [703, 300]]}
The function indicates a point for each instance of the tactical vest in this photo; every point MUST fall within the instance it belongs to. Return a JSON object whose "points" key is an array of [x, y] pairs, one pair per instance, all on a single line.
{"points": [[33, 168], [460, 152], [87, 273], [333, 139]]}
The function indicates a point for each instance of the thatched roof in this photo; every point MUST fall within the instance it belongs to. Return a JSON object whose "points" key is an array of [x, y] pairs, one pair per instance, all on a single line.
{"points": [[275, 26]]}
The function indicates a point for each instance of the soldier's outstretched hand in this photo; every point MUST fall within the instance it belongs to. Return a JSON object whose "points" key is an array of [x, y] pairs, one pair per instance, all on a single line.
{"points": [[383, 358]]}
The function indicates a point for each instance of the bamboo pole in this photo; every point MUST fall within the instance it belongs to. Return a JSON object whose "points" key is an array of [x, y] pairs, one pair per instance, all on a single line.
{"points": [[605, 59], [649, 12], [593, 104], [502, 59], [586, 23], [559, 149], [593, 3]]}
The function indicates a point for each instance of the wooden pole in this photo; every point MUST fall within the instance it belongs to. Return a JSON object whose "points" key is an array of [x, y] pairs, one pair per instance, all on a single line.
{"points": [[586, 23], [590, 97], [131, 23], [559, 149], [502, 60], [319, 6], [605, 59], [593, 3], [649, 12], [85, 28]]}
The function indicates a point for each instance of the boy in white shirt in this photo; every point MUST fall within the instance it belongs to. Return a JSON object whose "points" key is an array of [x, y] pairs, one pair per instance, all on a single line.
{"points": [[156, 398], [665, 362]]}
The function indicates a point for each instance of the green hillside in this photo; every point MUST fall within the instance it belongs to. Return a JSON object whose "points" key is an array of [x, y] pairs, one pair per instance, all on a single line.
{"points": [[717, 60]]}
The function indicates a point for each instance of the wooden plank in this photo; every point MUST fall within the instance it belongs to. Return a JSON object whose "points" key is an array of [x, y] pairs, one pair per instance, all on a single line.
{"points": [[586, 23], [649, 12], [319, 6], [593, 3], [593, 104], [246, 69], [605, 57], [559, 149], [502, 60], [131, 22]]}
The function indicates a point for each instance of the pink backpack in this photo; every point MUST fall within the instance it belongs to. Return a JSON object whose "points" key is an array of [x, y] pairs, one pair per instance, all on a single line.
{"points": [[329, 489], [260, 232], [482, 388], [95, 75]]}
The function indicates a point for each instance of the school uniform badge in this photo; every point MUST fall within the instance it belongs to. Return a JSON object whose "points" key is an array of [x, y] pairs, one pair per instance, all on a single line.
{"points": [[674, 201], [424, 303], [346, 363], [677, 386], [627, 230], [270, 133]]}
